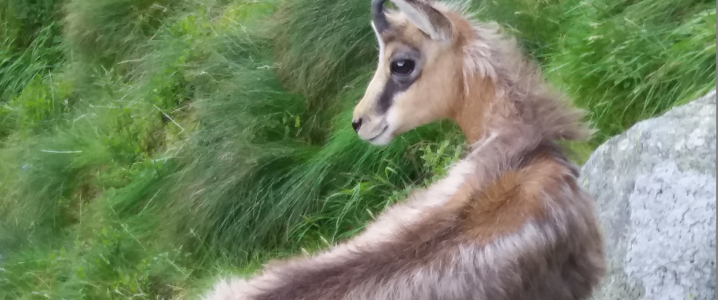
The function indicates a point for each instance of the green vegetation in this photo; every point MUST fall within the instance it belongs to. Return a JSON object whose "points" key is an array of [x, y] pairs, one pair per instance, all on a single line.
{"points": [[150, 146]]}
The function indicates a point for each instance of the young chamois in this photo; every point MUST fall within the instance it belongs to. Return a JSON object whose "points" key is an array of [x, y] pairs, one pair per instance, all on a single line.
{"points": [[508, 222]]}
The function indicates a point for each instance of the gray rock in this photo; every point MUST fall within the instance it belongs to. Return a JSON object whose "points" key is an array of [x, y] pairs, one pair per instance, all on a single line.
{"points": [[655, 190]]}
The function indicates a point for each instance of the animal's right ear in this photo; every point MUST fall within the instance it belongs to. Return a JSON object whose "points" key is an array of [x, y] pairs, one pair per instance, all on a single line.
{"points": [[427, 18]]}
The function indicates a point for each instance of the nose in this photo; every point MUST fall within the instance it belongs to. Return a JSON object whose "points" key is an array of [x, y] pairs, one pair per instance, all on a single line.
{"points": [[356, 124]]}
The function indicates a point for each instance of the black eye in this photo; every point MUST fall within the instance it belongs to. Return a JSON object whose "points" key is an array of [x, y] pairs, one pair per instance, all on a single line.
{"points": [[402, 66]]}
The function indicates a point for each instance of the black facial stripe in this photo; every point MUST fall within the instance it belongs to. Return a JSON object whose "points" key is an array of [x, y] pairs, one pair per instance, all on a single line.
{"points": [[399, 83], [386, 98], [392, 87]]}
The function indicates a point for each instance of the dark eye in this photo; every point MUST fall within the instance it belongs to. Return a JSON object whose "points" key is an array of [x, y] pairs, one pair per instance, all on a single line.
{"points": [[402, 66]]}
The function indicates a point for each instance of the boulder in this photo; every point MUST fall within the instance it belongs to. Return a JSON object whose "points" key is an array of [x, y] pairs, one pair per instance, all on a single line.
{"points": [[655, 190]]}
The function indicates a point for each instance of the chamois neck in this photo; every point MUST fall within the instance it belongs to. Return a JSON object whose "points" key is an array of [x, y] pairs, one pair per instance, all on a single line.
{"points": [[469, 115], [479, 106], [485, 106]]}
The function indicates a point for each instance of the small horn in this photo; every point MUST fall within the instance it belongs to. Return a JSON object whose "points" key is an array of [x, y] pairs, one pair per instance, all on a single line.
{"points": [[378, 15]]}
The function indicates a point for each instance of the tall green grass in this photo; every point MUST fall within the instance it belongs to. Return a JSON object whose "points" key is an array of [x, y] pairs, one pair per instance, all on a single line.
{"points": [[108, 32], [627, 61], [151, 145], [29, 43]]}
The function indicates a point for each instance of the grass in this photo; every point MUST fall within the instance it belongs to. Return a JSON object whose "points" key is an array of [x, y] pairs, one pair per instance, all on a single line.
{"points": [[28, 43], [635, 61], [151, 146]]}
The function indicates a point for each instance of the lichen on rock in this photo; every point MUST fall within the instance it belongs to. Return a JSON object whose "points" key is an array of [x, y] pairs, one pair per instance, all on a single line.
{"points": [[655, 190]]}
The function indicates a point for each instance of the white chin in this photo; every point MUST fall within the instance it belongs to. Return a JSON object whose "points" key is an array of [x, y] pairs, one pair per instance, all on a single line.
{"points": [[382, 140]]}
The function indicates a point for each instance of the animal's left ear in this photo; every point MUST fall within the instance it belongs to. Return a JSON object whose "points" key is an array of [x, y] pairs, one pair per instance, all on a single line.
{"points": [[427, 18]]}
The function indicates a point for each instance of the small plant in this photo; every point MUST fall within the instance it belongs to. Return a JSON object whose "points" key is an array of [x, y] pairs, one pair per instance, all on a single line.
{"points": [[40, 105]]}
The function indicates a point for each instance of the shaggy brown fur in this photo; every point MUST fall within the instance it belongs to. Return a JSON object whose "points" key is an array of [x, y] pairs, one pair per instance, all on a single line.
{"points": [[508, 222]]}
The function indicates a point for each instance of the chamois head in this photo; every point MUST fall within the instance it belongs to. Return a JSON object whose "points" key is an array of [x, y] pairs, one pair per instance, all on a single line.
{"points": [[419, 76]]}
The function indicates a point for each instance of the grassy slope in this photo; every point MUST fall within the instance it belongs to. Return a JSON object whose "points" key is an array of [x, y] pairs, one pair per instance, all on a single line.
{"points": [[151, 145]]}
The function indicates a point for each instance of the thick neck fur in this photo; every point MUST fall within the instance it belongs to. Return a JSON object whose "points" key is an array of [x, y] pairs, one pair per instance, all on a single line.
{"points": [[471, 111], [502, 88]]}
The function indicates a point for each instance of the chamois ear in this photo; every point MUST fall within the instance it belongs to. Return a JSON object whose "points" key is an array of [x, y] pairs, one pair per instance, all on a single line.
{"points": [[427, 18]]}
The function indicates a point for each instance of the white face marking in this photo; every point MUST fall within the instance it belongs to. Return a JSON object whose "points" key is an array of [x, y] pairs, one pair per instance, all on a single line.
{"points": [[385, 137], [380, 42], [382, 140], [391, 119]]}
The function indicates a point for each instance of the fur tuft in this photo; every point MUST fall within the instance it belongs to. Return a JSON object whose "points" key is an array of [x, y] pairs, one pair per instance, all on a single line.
{"points": [[494, 56], [227, 289]]}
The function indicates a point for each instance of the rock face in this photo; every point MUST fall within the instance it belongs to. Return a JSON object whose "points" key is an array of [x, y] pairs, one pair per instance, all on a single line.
{"points": [[655, 190]]}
